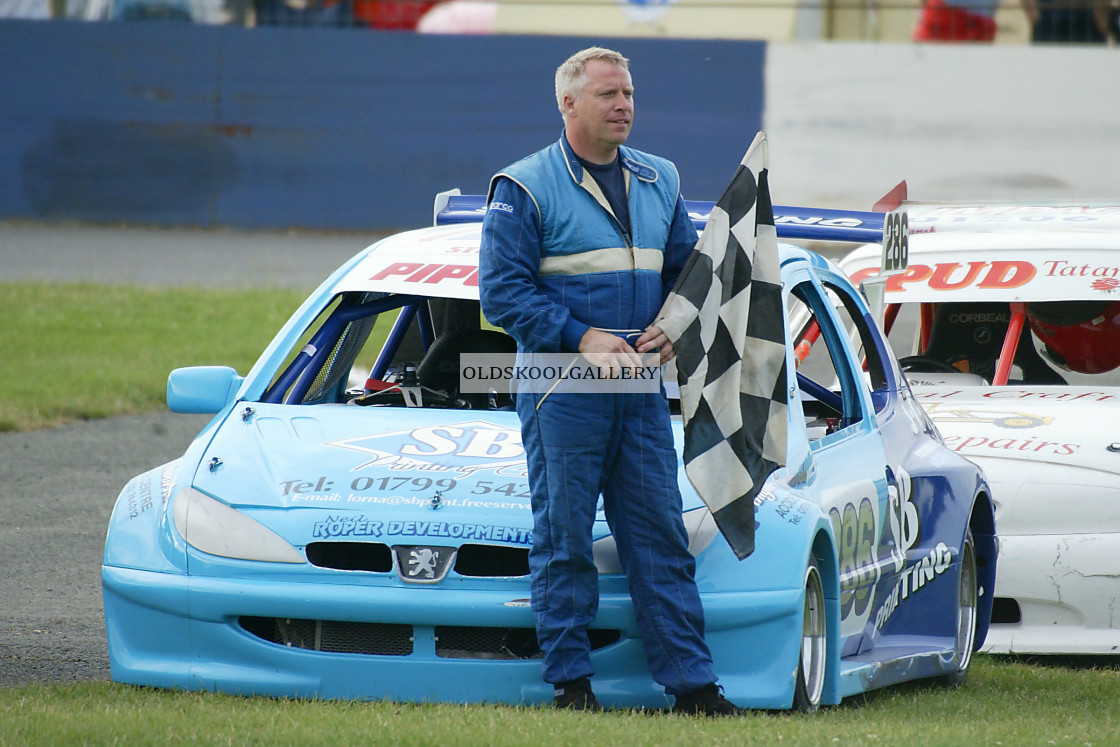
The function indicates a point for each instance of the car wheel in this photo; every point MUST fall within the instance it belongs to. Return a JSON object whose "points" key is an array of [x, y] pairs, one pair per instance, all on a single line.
{"points": [[814, 639], [967, 595]]}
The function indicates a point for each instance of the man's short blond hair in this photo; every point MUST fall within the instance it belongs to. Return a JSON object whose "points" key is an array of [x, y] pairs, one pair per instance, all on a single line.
{"points": [[570, 77]]}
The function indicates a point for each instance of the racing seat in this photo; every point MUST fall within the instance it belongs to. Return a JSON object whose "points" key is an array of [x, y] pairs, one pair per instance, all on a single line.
{"points": [[970, 336], [439, 369]]}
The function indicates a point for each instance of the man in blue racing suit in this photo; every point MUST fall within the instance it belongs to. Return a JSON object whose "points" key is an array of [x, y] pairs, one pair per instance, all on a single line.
{"points": [[581, 243]]}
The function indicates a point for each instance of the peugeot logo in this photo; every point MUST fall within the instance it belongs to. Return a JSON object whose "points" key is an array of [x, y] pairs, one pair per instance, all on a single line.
{"points": [[423, 564]]}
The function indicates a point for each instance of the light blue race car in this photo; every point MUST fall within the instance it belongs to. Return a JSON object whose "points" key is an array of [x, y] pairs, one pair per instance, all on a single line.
{"points": [[354, 523]]}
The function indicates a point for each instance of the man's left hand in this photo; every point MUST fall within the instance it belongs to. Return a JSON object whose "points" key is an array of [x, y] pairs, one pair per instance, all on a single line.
{"points": [[654, 339]]}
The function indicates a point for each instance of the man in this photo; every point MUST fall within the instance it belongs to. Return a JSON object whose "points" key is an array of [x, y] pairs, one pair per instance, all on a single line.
{"points": [[581, 243], [1069, 21], [957, 21]]}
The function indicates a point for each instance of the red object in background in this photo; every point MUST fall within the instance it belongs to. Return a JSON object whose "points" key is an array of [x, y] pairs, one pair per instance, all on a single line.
{"points": [[400, 16], [1085, 334], [940, 21]]}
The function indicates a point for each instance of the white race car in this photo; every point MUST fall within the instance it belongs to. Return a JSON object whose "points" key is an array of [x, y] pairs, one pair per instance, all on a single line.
{"points": [[1006, 320]]}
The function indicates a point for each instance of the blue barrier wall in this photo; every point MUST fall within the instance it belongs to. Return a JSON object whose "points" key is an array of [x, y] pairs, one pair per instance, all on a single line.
{"points": [[162, 123]]}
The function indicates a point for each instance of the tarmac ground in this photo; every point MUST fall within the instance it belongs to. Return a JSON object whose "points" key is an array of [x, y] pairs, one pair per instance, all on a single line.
{"points": [[58, 485]]}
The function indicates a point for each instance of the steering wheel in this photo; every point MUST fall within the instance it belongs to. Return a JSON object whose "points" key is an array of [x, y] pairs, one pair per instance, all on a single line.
{"points": [[922, 364]]}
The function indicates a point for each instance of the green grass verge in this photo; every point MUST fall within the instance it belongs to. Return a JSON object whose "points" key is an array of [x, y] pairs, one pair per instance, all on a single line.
{"points": [[82, 351], [1004, 702]]}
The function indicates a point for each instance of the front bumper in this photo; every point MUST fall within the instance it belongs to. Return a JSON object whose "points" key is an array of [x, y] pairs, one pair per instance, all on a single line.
{"points": [[1057, 594], [174, 631]]}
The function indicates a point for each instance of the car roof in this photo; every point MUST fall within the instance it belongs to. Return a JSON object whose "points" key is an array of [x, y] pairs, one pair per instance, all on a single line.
{"points": [[1002, 253], [442, 262], [956, 252], [1018, 266], [932, 217]]}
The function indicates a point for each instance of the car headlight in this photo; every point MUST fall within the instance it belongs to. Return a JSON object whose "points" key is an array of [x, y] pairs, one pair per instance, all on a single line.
{"points": [[213, 527]]}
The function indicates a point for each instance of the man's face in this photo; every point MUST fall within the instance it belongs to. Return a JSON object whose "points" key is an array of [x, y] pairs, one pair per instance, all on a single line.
{"points": [[599, 119]]}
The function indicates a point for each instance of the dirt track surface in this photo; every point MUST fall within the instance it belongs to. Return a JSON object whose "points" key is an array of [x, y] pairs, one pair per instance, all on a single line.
{"points": [[56, 494], [58, 485]]}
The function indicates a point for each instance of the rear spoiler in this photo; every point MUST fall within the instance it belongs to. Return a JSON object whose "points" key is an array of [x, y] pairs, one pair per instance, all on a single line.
{"points": [[791, 222]]}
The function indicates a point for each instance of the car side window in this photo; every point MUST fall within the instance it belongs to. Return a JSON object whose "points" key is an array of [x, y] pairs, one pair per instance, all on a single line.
{"points": [[864, 340], [826, 379], [319, 366]]}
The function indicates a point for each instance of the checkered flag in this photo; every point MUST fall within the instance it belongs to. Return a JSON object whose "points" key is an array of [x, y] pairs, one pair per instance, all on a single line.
{"points": [[726, 322]]}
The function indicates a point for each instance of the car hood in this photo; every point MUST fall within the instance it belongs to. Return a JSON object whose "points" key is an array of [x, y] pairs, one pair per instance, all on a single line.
{"points": [[284, 456], [385, 459], [1061, 426]]}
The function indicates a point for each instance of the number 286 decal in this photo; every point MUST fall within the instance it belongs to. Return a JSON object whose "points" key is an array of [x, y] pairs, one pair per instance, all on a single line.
{"points": [[896, 242], [871, 546]]}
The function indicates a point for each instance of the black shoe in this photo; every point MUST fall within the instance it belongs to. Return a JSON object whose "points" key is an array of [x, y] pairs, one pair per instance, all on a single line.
{"points": [[576, 695], [706, 701]]}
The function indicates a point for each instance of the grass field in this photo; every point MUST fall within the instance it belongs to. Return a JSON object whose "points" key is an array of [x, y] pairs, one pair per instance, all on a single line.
{"points": [[1004, 702], [82, 351], [79, 351]]}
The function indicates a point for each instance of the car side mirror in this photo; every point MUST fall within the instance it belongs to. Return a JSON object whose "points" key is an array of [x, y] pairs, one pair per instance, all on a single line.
{"points": [[202, 390]]}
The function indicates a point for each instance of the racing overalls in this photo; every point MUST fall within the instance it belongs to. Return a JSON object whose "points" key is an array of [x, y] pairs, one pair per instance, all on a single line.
{"points": [[555, 262]]}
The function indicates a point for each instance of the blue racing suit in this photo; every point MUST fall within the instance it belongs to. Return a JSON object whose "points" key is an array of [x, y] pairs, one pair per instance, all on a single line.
{"points": [[555, 262]]}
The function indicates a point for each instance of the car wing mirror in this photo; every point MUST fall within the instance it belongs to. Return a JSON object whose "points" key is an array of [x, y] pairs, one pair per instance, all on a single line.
{"points": [[201, 389]]}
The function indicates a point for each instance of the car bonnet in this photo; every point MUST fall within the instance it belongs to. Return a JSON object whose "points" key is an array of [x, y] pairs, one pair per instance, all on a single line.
{"points": [[1061, 426], [349, 457]]}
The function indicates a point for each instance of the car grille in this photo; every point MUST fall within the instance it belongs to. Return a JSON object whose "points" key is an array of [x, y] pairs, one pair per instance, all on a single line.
{"points": [[502, 643], [482, 561], [454, 642], [476, 561], [384, 639], [351, 556]]}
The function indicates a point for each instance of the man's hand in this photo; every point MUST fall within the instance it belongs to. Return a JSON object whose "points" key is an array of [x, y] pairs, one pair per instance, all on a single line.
{"points": [[609, 352], [653, 339]]}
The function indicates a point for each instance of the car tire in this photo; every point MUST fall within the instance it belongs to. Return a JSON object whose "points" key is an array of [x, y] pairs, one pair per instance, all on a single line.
{"points": [[814, 644], [967, 598]]}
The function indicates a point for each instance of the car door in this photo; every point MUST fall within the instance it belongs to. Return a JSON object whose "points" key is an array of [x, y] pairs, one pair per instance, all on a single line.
{"points": [[848, 455]]}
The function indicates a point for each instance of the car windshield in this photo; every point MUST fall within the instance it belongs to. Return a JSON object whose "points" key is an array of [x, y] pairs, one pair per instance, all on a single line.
{"points": [[376, 349], [379, 349], [1036, 343]]}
